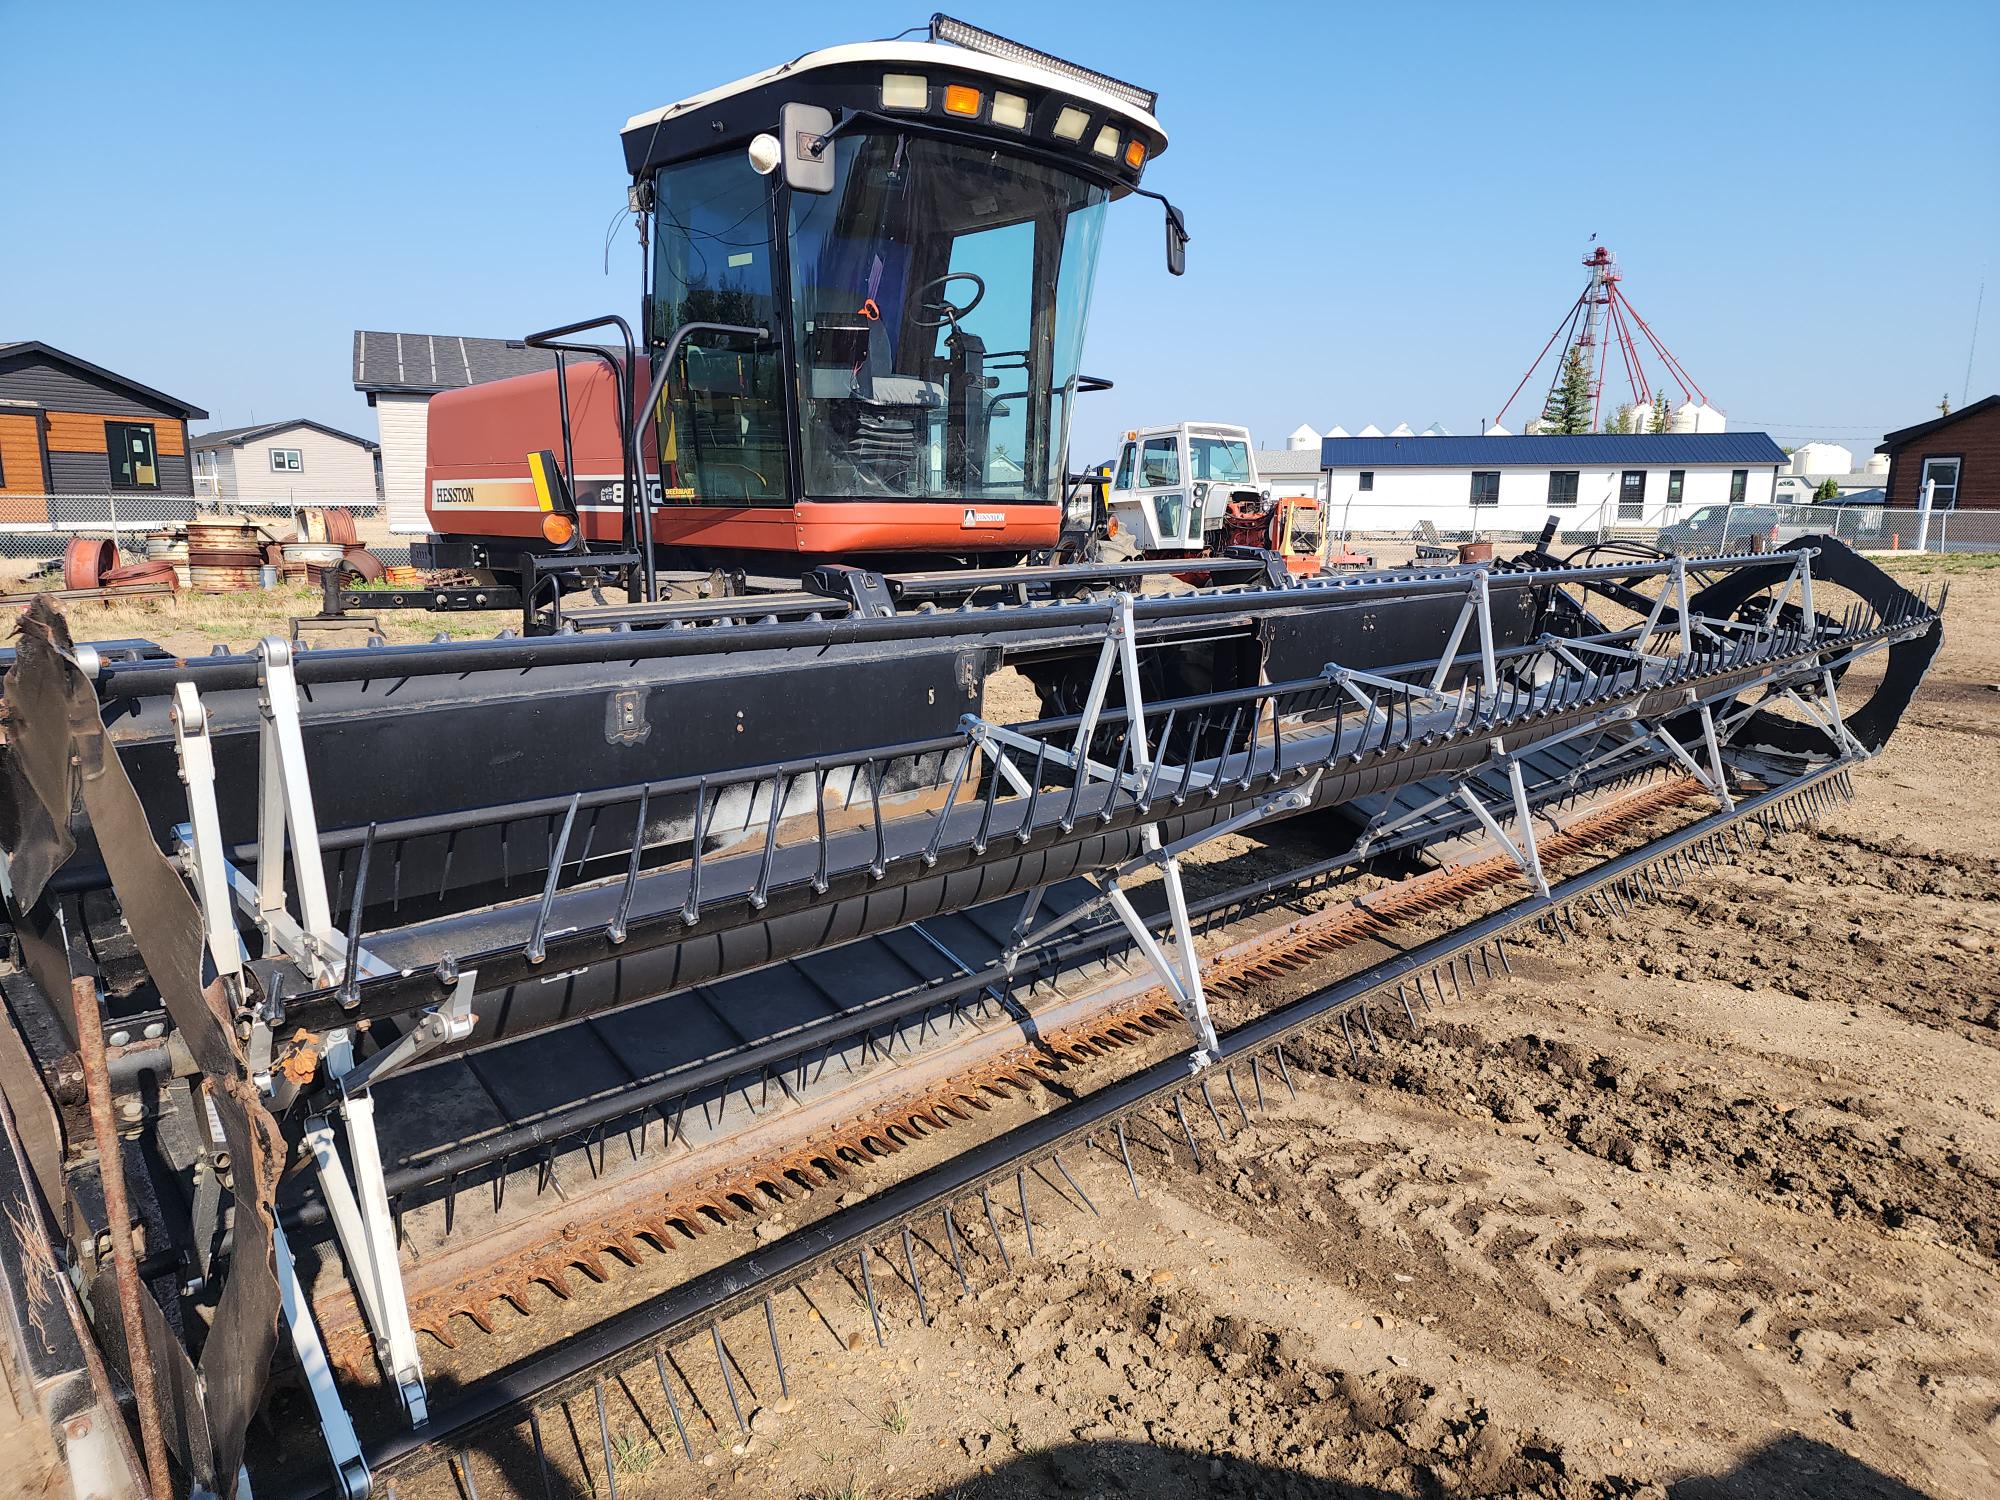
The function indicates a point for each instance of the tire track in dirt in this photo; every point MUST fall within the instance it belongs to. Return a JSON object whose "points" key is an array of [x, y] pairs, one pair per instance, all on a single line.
{"points": [[1707, 1315]]}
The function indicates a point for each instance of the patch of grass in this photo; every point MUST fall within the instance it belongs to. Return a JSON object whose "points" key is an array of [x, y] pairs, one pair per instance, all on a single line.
{"points": [[1926, 564], [633, 1455], [897, 1418], [191, 623]]}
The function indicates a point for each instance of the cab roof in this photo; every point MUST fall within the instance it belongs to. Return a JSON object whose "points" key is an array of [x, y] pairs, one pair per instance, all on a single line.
{"points": [[849, 76]]}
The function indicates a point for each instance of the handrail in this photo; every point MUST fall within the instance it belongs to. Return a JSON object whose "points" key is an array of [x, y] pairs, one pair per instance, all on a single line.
{"points": [[625, 377], [663, 365]]}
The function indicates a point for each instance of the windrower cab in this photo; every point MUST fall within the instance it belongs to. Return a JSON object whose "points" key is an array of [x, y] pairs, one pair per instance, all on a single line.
{"points": [[867, 278]]}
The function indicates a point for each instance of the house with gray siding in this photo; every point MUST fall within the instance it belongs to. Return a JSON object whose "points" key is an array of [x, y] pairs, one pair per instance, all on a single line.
{"points": [[81, 445], [285, 465], [399, 373]]}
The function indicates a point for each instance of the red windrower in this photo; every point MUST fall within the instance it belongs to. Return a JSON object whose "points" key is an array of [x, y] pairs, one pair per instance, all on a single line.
{"points": [[1603, 316]]}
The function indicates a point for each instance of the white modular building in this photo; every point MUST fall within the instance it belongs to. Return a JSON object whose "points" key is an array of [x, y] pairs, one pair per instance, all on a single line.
{"points": [[1290, 471], [1510, 483]]}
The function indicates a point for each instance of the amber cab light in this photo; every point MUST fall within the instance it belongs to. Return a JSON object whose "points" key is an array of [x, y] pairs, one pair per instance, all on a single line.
{"points": [[558, 528], [961, 99]]}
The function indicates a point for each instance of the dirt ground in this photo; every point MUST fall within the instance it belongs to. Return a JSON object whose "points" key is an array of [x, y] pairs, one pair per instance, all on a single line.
{"points": [[1705, 1203]]}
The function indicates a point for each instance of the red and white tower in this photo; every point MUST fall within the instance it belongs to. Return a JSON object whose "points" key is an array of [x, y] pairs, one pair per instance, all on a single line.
{"points": [[1602, 324]]}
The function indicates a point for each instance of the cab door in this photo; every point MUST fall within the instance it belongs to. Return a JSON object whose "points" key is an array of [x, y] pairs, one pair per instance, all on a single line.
{"points": [[1161, 491]]}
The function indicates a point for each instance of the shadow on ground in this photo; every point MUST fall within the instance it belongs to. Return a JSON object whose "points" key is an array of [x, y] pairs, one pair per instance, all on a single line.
{"points": [[1791, 1468]]}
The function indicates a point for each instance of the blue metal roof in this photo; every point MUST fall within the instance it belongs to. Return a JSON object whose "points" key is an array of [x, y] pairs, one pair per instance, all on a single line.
{"points": [[1588, 450]]}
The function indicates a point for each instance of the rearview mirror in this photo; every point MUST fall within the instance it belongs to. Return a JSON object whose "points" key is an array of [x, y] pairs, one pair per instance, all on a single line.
{"points": [[801, 128], [1177, 239]]}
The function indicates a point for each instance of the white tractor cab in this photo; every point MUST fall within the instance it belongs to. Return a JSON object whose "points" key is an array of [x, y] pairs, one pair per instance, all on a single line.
{"points": [[1171, 491]]}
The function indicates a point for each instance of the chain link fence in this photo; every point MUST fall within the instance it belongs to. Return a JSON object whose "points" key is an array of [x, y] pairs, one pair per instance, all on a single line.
{"points": [[1681, 528], [40, 526], [1963, 531]]}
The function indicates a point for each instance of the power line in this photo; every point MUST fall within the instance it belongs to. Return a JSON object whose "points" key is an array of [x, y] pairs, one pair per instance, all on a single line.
{"points": [[1808, 426], [1977, 308]]}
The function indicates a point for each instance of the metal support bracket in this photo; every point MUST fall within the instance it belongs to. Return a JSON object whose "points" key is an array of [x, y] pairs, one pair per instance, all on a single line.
{"points": [[1181, 972], [350, 1468], [1524, 854], [359, 1205], [207, 864], [285, 808]]}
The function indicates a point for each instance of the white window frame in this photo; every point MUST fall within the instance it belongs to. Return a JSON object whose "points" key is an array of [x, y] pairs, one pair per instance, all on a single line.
{"points": [[297, 464], [1956, 461]]}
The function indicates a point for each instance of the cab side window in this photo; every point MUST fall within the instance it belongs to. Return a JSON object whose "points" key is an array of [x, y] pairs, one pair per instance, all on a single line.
{"points": [[1160, 463], [1124, 479]]}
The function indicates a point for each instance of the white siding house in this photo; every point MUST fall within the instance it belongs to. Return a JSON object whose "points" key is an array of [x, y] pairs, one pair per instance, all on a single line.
{"points": [[1514, 483], [404, 422], [280, 464]]}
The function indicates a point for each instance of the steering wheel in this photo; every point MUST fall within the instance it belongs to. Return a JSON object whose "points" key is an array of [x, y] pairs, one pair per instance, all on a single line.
{"points": [[948, 312]]}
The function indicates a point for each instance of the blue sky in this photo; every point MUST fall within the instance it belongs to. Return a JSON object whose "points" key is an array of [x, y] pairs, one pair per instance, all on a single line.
{"points": [[1388, 202]]}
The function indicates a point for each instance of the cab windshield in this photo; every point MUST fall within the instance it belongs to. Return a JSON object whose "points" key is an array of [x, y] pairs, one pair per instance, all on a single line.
{"points": [[1224, 460], [721, 426], [939, 294]]}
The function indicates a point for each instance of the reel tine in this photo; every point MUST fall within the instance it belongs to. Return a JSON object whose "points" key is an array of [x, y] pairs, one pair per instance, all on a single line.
{"points": [[868, 1292], [1214, 1113], [350, 978], [691, 908], [916, 1282], [541, 1453], [1180, 1112], [673, 1405], [1075, 1186], [1125, 1155], [993, 1223], [535, 949], [957, 1261], [1027, 829], [937, 831], [1027, 1219], [1153, 773], [604, 1436], [879, 866], [1285, 1071], [722, 1362], [1229, 1072], [777, 1352]]}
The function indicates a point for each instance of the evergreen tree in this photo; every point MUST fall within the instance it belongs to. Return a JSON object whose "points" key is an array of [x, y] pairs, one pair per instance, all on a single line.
{"points": [[1568, 410], [1827, 493], [1661, 416], [1621, 419]]}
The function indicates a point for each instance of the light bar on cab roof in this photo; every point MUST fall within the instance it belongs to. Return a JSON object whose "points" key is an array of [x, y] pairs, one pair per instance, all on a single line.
{"points": [[945, 28]]}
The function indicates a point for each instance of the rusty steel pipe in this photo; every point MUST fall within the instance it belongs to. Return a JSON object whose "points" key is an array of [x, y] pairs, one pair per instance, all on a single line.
{"points": [[118, 1213]]}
